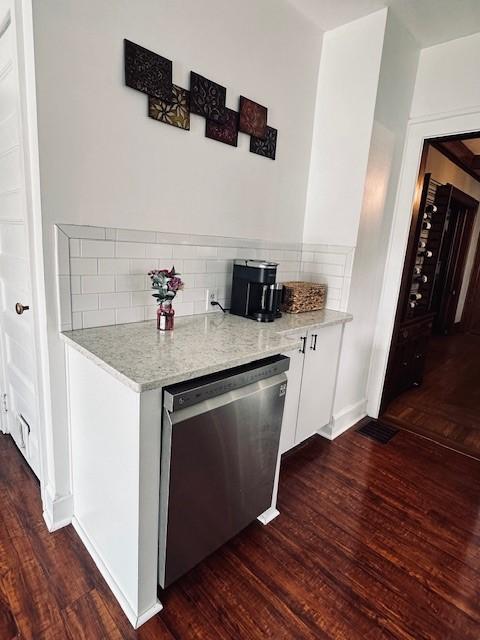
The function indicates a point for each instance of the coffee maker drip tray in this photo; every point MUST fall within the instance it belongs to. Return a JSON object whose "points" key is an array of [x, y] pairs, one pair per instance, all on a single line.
{"points": [[259, 316]]}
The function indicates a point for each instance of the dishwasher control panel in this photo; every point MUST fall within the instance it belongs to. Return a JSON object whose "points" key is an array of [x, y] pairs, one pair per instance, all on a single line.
{"points": [[186, 394]]}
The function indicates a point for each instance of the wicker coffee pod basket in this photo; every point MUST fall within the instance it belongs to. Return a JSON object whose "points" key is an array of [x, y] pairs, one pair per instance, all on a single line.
{"points": [[300, 296]]}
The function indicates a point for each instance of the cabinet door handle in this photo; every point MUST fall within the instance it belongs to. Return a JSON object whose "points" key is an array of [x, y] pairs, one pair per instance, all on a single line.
{"points": [[304, 340], [313, 343]]}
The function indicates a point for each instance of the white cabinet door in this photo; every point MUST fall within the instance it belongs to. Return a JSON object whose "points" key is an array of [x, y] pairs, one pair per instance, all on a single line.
{"points": [[290, 412], [318, 381]]}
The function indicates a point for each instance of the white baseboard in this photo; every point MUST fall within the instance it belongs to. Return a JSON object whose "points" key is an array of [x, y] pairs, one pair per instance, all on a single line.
{"points": [[344, 420], [57, 510], [135, 618], [267, 516]]}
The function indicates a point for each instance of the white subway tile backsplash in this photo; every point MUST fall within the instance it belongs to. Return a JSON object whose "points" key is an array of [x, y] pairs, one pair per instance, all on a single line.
{"points": [[129, 249], [222, 279], [109, 282], [204, 280], [193, 295], [111, 266], [83, 266], [149, 312], [200, 307], [184, 308], [219, 266], [228, 252], [129, 283], [131, 314], [158, 251], [64, 302], [184, 251], [77, 320], [98, 318], [114, 300], [349, 263], [206, 252], [331, 258], [97, 249], [194, 266], [83, 231], [132, 235], [75, 284], [63, 252], [308, 256], [142, 299], [142, 266], [75, 251], [97, 284], [329, 269], [84, 302]]}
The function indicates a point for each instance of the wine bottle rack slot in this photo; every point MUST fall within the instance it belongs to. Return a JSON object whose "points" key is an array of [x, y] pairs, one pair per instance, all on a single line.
{"points": [[429, 234]]}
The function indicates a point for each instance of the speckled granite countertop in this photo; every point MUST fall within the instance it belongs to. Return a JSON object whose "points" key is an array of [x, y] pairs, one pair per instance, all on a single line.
{"points": [[144, 358]]}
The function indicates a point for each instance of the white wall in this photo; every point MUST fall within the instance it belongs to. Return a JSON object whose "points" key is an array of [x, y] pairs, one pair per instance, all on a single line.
{"points": [[447, 78], [443, 170], [446, 101], [104, 162], [395, 90], [346, 95]]}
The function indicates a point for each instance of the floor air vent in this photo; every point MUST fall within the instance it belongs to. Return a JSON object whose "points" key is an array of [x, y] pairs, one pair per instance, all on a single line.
{"points": [[377, 431]]}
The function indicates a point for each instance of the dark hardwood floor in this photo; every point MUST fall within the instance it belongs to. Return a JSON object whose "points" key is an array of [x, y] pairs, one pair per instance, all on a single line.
{"points": [[446, 407], [373, 541]]}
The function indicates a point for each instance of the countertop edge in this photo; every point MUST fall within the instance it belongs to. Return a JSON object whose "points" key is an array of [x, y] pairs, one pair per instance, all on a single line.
{"points": [[312, 325], [134, 386], [197, 373], [158, 383]]}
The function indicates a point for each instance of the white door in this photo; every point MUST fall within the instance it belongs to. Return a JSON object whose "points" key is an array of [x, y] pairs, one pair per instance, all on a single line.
{"points": [[17, 342], [322, 351]]}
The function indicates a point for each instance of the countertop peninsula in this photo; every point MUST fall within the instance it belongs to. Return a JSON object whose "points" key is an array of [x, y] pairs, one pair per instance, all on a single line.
{"points": [[143, 358]]}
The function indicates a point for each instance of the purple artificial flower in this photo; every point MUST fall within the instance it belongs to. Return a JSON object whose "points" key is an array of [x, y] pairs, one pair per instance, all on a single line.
{"points": [[175, 283]]}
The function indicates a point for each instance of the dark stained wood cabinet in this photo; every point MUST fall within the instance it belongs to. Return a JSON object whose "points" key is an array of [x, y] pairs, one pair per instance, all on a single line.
{"points": [[440, 232], [408, 356]]}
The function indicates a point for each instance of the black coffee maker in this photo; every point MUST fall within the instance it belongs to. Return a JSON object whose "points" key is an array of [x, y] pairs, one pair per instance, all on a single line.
{"points": [[255, 292]]}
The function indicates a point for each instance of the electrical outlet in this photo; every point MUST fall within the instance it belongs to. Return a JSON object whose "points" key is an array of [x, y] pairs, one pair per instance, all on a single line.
{"points": [[212, 295]]}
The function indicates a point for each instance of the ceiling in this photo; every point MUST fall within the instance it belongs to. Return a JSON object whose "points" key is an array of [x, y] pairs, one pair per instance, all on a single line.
{"points": [[429, 21], [473, 145], [463, 152]]}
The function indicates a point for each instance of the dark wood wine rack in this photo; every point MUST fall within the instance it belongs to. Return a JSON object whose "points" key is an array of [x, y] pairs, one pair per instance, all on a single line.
{"points": [[441, 212], [432, 215]]}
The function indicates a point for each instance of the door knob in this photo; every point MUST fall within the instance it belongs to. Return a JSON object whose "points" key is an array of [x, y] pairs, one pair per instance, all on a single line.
{"points": [[20, 308]]}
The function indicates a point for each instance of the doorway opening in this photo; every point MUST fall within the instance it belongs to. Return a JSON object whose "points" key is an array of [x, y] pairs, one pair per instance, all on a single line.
{"points": [[432, 382]]}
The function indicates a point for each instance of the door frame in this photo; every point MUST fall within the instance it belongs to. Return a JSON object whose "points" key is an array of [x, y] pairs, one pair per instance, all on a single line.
{"points": [[418, 131], [457, 258], [22, 25]]}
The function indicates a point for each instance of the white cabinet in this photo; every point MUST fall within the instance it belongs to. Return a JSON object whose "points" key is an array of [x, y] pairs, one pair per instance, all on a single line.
{"points": [[290, 412], [311, 384]]}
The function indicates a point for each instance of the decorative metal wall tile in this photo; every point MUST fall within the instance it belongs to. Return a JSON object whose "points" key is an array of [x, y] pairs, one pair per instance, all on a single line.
{"points": [[147, 71], [227, 132], [267, 147], [176, 112], [207, 98], [253, 118]]}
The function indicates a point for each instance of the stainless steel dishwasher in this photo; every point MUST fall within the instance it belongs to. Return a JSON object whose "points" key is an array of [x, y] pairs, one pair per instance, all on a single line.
{"points": [[220, 443]]}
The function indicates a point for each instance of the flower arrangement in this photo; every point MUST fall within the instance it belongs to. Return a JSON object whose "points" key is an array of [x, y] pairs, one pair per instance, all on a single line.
{"points": [[167, 284]]}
